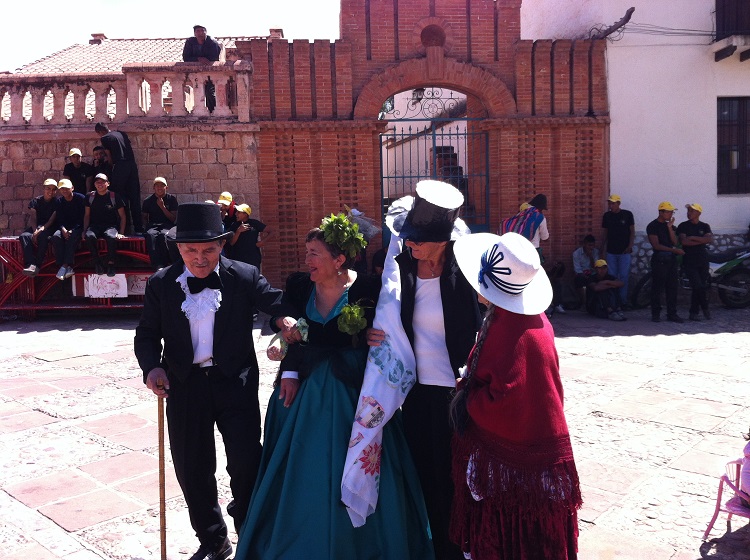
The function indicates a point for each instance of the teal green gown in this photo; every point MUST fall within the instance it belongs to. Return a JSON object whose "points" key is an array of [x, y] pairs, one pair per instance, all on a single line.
{"points": [[296, 510]]}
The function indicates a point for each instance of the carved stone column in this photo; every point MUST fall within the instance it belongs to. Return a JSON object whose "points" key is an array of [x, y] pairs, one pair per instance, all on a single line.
{"points": [[156, 108], [79, 103], [37, 105], [58, 104], [222, 107], [134, 95], [16, 105], [101, 91], [121, 101], [199, 95], [178, 95]]}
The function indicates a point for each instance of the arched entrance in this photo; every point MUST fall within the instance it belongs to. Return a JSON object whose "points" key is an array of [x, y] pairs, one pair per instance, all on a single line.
{"points": [[432, 133]]}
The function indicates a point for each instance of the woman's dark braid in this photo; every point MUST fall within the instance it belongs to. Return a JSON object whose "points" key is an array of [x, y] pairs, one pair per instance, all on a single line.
{"points": [[458, 413]]}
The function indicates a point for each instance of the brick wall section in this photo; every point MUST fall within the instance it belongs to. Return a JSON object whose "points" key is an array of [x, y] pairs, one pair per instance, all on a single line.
{"points": [[307, 171]]}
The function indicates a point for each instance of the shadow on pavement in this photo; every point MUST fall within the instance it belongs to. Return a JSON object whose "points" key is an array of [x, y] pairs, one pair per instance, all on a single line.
{"points": [[733, 544]]}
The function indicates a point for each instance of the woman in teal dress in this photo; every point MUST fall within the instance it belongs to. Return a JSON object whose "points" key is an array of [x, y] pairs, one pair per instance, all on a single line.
{"points": [[296, 509]]}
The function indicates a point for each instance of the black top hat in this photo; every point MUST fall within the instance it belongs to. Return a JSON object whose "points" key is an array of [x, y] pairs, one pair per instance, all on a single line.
{"points": [[432, 216], [199, 222]]}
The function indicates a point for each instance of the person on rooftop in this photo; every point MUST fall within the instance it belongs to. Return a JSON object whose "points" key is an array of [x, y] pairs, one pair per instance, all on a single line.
{"points": [[204, 49]]}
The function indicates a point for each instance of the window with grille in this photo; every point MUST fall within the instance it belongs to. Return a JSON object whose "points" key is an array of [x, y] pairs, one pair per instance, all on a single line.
{"points": [[733, 163]]}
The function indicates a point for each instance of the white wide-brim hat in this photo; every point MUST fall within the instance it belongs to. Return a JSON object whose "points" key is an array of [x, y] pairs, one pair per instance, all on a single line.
{"points": [[505, 269]]}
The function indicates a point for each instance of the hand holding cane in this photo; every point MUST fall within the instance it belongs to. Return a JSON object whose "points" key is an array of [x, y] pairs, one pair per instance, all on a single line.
{"points": [[162, 493]]}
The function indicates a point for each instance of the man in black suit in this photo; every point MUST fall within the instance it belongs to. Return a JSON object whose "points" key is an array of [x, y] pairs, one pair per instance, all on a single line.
{"points": [[202, 312]]}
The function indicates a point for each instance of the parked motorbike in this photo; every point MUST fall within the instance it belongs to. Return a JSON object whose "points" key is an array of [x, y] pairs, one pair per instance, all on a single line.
{"points": [[729, 272]]}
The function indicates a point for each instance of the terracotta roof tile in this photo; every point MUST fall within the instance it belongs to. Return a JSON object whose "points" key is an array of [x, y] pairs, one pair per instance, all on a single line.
{"points": [[111, 54]]}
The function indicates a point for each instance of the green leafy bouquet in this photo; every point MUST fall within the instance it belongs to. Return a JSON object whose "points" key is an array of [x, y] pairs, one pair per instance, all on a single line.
{"points": [[352, 320]]}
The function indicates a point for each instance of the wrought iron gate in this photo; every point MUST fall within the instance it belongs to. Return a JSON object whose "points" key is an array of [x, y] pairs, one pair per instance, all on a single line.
{"points": [[429, 143]]}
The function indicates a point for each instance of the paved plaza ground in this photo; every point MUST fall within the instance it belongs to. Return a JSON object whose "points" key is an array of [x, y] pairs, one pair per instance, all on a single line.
{"points": [[655, 411]]}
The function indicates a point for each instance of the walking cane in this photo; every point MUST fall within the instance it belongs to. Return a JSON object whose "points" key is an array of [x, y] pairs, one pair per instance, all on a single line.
{"points": [[162, 493]]}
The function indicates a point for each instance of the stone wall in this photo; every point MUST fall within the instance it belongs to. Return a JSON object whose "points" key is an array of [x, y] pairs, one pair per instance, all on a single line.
{"points": [[199, 162]]}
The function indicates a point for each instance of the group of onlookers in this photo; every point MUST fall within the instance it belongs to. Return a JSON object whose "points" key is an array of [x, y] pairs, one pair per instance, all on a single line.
{"points": [[604, 281], [601, 274]]}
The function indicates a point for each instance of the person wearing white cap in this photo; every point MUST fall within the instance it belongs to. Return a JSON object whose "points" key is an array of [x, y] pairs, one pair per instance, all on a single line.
{"points": [[41, 220], [71, 207], [159, 213], [695, 236], [80, 173], [517, 491], [617, 244], [104, 217], [663, 238]]}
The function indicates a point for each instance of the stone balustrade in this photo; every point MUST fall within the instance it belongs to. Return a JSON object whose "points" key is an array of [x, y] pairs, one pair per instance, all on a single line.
{"points": [[153, 90]]}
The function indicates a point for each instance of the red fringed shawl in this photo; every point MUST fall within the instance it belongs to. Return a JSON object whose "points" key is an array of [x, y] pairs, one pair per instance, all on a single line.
{"points": [[516, 449]]}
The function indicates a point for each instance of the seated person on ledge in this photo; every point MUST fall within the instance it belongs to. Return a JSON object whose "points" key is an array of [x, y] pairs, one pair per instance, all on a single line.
{"points": [[104, 218], [604, 301]]}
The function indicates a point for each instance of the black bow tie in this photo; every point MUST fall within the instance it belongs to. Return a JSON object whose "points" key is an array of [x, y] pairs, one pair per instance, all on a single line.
{"points": [[197, 285]]}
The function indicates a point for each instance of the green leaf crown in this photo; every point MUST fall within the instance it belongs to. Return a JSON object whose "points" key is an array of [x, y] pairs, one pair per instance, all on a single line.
{"points": [[342, 233]]}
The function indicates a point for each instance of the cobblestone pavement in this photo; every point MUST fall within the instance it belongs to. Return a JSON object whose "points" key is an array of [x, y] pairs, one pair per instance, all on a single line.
{"points": [[655, 411]]}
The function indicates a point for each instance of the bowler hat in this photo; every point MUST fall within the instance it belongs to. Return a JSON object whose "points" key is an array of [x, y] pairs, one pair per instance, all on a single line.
{"points": [[199, 222]]}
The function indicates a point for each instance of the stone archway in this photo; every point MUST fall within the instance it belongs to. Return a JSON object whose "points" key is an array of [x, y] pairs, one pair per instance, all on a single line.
{"points": [[438, 71]]}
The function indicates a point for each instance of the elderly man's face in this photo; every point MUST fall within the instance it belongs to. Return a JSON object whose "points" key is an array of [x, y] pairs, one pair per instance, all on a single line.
{"points": [[201, 258]]}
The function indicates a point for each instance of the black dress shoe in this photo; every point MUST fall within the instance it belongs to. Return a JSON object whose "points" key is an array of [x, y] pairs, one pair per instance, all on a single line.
{"points": [[694, 317], [212, 553], [675, 319]]}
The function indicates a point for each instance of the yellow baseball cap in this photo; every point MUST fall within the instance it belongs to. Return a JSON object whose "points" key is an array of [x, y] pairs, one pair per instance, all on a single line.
{"points": [[225, 198], [74, 152], [666, 205], [63, 184], [600, 263], [614, 198], [243, 208], [49, 182], [695, 206], [161, 180]]}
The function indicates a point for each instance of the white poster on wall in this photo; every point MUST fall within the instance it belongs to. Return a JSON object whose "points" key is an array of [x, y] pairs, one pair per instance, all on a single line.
{"points": [[101, 286]]}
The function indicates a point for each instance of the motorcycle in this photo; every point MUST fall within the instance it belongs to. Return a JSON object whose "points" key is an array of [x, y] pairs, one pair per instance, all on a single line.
{"points": [[729, 272]]}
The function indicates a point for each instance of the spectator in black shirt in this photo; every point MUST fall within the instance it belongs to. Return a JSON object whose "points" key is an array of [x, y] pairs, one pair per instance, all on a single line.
{"points": [[160, 214], [204, 49], [104, 217], [246, 241], [71, 207], [80, 173], [663, 239], [101, 165], [41, 220], [125, 181], [695, 236]]}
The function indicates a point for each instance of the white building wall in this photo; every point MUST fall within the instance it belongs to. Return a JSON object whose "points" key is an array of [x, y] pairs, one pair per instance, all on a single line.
{"points": [[662, 95]]}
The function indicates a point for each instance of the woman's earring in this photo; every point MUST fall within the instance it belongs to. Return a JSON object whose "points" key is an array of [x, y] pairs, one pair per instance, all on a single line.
{"points": [[338, 273]]}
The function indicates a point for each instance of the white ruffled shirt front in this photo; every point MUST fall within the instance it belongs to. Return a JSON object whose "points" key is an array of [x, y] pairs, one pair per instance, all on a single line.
{"points": [[200, 309]]}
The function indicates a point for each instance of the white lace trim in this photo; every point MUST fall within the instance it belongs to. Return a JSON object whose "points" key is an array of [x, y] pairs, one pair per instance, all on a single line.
{"points": [[197, 306]]}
